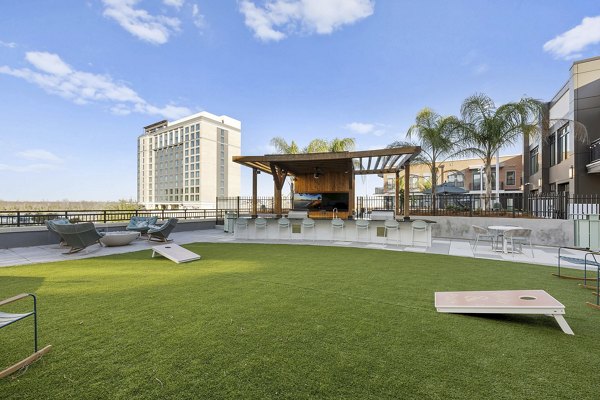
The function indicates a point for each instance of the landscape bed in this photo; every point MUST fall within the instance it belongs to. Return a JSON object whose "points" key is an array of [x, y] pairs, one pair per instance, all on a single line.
{"points": [[253, 321]]}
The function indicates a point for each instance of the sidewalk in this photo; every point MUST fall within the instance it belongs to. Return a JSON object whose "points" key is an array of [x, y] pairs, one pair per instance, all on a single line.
{"points": [[455, 247]]}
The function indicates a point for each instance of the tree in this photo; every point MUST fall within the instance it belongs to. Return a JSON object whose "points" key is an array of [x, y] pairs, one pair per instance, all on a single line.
{"points": [[283, 147], [486, 129], [437, 135]]}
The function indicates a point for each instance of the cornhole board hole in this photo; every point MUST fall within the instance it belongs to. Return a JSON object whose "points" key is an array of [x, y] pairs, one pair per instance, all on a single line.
{"points": [[503, 302], [175, 252]]}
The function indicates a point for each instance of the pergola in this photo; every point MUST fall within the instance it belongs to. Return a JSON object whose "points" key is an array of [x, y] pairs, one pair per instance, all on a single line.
{"points": [[340, 167]]}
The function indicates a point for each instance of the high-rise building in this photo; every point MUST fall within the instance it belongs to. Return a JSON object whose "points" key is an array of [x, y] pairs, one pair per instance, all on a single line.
{"points": [[187, 163]]}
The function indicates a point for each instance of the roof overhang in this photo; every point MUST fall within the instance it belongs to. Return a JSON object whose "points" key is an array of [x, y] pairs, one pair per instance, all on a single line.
{"points": [[382, 161]]}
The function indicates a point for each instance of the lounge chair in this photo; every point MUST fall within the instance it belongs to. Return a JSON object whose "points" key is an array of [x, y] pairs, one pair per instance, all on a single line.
{"points": [[141, 224], [79, 236], [162, 232], [10, 318], [50, 224]]}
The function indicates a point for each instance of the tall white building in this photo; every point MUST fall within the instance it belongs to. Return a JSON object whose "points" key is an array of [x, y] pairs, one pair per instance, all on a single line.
{"points": [[187, 163]]}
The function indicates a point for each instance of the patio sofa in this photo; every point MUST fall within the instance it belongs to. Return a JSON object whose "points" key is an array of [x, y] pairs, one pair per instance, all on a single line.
{"points": [[162, 232], [79, 236], [51, 224], [141, 224]]}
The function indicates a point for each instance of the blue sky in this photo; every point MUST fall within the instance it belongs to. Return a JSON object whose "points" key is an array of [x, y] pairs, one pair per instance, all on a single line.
{"points": [[79, 79]]}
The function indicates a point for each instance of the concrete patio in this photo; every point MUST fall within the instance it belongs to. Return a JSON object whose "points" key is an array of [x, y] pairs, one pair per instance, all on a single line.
{"points": [[543, 255]]}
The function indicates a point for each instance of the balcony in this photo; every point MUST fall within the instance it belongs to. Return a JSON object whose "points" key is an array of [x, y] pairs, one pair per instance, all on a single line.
{"points": [[594, 166]]}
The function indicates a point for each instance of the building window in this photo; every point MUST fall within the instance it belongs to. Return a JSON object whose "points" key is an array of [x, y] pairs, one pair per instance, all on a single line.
{"points": [[563, 143], [534, 165], [476, 181], [511, 178], [414, 182], [552, 149], [456, 179]]}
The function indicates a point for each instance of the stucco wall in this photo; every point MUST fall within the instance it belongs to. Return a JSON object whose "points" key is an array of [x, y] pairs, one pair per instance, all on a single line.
{"points": [[547, 232]]}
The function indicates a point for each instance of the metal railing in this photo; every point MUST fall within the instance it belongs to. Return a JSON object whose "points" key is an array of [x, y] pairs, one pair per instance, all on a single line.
{"points": [[32, 218], [515, 205], [595, 151]]}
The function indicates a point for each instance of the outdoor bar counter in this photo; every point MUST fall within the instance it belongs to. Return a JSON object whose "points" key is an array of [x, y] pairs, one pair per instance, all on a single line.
{"points": [[324, 230]]}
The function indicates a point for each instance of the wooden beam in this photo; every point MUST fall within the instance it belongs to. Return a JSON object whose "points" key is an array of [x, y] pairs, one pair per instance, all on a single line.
{"points": [[32, 358], [406, 191], [397, 208], [254, 192]]}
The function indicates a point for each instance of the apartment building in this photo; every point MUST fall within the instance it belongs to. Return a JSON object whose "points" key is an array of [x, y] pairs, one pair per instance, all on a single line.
{"points": [[187, 164], [566, 156], [466, 175]]}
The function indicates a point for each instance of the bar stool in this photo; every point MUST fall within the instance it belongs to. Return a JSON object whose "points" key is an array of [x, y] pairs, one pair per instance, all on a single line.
{"points": [[419, 226], [241, 224], [362, 225], [260, 224], [337, 223], [391, 225], [283, 223], [308, 223]]}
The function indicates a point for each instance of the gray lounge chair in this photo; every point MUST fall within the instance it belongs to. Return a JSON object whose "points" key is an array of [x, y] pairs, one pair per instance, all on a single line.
{"points": [[141, 224], [162, 232], [50, 224], [79, 236]]}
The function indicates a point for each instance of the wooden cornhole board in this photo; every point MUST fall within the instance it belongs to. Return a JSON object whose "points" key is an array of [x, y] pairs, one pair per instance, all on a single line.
{"points": [[175, 252], [503, 302]]}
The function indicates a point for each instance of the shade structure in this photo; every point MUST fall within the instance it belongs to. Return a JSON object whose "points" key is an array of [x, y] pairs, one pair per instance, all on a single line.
{"points": [[445, 188]]}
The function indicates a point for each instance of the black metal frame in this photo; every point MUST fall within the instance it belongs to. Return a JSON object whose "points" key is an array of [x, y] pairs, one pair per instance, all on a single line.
{"points": [[35, 329]]}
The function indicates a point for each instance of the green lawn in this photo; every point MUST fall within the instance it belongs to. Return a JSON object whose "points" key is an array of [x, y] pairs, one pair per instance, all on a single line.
{"points": [[278, 321]]}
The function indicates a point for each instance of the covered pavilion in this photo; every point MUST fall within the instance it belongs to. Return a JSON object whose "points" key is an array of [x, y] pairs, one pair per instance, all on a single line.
{"points": [[332, 172]]}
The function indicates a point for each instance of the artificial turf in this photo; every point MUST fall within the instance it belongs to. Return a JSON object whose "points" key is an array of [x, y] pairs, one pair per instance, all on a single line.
{"points": [[253, 321]]}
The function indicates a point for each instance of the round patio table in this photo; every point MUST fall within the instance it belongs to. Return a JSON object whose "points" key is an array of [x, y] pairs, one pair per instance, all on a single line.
{"points": [[501, 229], [119, 238]]}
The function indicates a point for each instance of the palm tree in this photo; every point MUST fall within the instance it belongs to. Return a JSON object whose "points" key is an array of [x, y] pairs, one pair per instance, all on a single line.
{"points": [[437, 135], [317, 146], [486, 129], [343, 144], [283, 147]]}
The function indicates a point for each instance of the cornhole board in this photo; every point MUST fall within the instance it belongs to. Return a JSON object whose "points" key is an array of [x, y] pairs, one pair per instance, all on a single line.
{"points": [[503, 302], [175, 252]]}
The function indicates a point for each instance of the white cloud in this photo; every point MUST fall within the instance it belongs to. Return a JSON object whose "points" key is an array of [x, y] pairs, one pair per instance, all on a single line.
{"points": [[174, 3], [278, 18], [197, 17], [365, 129], [569, 44], [155, 29], [11, 45], [57, 77], [481, 69], [39, 155]]}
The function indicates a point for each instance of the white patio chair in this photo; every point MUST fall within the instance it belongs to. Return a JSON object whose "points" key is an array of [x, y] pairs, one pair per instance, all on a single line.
{"points": [[362, 225], [283, 223], [419, 227], [483, 233], [518, 237], [337, 224], [391, 225], [308, 223], [260, 224], [241, 225]]}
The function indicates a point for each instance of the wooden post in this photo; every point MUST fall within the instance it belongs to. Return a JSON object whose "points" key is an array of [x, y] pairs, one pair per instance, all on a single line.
{"points": [[254, 192], [406, 191], [277, 199], [397, 199]]}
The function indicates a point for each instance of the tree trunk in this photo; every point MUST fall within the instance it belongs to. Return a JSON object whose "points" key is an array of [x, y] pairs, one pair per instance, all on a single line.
{"points": [[433, 185], [488, 178]]}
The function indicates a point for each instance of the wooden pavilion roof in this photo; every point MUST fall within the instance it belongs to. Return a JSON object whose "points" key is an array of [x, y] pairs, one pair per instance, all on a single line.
{"points": [[366, 162]]}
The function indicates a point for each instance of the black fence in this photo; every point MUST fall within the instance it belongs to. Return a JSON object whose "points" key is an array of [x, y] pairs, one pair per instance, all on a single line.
{"points": [[515, 205], [32, 218]]}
